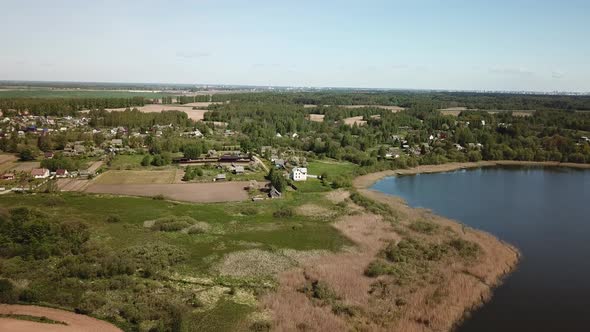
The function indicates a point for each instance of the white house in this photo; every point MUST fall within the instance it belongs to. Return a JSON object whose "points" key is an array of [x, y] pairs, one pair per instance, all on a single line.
{"points": [[299, 174], [40, 173]]}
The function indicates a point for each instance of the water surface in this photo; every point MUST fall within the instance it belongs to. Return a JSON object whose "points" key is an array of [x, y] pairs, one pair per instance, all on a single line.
{"points": [[545, 212]]}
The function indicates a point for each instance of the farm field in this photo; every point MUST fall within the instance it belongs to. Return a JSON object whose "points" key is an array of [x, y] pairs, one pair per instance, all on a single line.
{"points": [[358, 120], [455, 111], [189, 192], [197, 115], [317, 117], [386, 107], [122, 177]]}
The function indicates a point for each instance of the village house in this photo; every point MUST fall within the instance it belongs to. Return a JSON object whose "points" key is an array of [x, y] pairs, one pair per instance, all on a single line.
{"points": [[40, 173], [117, 142], [279, 163], [195, 133], [238, 169], [8, 176], [299, 174], [61, 173], [48, 155]]}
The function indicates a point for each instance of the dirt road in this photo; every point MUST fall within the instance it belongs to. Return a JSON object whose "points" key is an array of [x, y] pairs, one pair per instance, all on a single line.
{"points": [[74, 322]]}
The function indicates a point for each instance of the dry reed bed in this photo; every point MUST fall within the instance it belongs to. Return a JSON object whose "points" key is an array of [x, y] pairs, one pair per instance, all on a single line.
{"points": [[435, 300]]}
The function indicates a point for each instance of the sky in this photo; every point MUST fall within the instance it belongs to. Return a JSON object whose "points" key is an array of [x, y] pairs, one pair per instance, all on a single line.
{"points": [[520, 45]]}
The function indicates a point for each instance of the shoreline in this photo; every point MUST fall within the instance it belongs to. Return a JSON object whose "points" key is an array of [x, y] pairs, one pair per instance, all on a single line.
{"points": [[494, 277], [367, 180]]}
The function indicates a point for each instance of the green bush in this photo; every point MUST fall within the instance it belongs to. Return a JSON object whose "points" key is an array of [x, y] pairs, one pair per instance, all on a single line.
{"points": [[283, 212], [113, 219], [377, 268], [424, 227], [464, 248], [8, 293], [249, 210]]}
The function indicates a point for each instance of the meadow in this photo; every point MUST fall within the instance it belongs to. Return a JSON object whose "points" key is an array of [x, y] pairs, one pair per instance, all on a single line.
{"points": [[119, 223]]}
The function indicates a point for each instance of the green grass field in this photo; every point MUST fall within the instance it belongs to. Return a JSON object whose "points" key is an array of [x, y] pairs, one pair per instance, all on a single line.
{"points": [[333, 168]]}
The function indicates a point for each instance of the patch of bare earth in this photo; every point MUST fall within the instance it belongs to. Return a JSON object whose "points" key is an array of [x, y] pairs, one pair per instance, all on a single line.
{"points": [[358, 120], [338, 195], [189, 192], [317, 117], [430, 300], [314, 211], [196, 115], [74, 322], [394, 109]]}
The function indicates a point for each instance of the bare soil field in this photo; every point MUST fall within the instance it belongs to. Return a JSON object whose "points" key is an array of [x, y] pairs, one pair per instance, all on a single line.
{"points": [[394, 109], [25, 166], [455, 111], [114, 177], [196, 115], [231, 191], [358, 120], [74, 322], [317, 117], [72, 184], [7, 161]]}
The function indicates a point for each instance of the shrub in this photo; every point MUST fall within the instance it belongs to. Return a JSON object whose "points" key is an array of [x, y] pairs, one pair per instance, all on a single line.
{"points": [[341, 182], [376, 268], [113, 219], [342, 309], [319, 290], [55, 201], [464, 248], [260, 326], [371, 205], [424, 227], [8, 293], [146, 161], [28, 295], [411, 251], [159, 197], [283, 212], [249, 210]]}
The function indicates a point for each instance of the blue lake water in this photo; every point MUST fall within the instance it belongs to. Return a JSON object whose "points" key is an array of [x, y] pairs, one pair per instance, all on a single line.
{"points": [[545, 212]]}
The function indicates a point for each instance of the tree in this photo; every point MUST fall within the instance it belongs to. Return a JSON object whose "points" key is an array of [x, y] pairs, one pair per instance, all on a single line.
{"points": [[146, 161], [277, 180], [27, 154], [192, 151]]}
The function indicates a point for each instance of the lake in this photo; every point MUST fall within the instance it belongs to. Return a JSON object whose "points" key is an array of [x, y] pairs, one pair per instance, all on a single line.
{"points": [[545, 212]]}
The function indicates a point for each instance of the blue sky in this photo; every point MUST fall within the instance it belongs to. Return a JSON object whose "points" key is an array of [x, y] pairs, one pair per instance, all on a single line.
{"points": [[422, 44]]}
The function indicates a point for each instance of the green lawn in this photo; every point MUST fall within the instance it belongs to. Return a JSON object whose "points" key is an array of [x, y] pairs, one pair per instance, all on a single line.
{"points": [[123, 161], [333, 168]]}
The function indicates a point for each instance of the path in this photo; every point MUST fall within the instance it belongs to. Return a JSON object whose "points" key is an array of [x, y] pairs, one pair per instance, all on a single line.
{"points": [[75, 322]]}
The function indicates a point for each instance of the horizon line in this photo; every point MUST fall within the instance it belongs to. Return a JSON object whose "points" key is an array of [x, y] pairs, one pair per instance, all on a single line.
{"points": [[252, 86]]}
